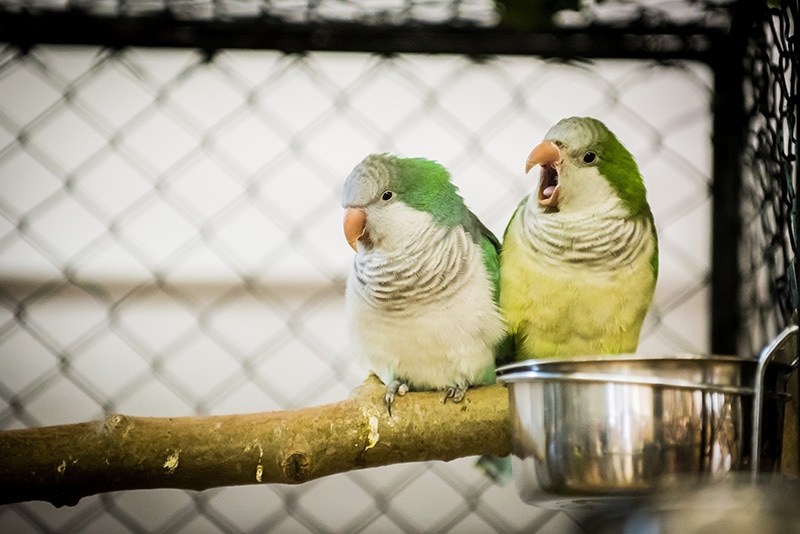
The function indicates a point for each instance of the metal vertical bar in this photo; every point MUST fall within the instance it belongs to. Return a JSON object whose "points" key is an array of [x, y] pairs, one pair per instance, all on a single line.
{"points": [[729, 138]]}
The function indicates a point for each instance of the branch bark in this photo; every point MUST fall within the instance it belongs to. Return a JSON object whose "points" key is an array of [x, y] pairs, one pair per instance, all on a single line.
{"points": [[62, 464]]}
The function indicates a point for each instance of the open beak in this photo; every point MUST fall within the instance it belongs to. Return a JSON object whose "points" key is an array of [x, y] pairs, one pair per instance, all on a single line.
{"points": [[355, 226], [548, 156]]}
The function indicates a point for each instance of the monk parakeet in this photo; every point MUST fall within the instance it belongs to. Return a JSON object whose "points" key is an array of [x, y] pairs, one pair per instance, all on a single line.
{"points": [[580, 255], [422, 294]]}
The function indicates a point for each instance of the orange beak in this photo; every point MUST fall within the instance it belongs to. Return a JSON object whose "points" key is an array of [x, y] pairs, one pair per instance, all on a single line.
{"points": [[545, 153], [548, 156], [355, 226]]}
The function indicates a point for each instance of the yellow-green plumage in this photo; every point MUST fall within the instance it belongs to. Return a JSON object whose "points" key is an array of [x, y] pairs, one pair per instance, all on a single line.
{"points": [[569, 312], [578, 275]]}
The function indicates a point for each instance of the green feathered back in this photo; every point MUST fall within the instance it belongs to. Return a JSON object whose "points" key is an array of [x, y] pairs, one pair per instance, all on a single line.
{"points": [[426, 185]]}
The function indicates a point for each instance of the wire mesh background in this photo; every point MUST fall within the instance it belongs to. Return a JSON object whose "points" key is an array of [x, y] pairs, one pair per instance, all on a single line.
{"points": [[769, 198], [170, 244]]}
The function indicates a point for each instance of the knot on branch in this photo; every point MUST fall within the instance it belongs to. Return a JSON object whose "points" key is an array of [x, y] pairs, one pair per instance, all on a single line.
{"points": [[296, 467], [115, 423]]}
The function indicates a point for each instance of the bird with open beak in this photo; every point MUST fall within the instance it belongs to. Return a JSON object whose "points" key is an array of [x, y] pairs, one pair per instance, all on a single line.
{"points": [[580, 254]]}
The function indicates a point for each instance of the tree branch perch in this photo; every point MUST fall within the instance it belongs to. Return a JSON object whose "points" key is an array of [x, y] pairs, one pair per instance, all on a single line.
{"points": [[62, 464]]}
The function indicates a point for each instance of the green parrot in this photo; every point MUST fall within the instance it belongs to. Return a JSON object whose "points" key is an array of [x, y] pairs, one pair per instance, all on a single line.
{"points": [[422, 293], [580, 254]]}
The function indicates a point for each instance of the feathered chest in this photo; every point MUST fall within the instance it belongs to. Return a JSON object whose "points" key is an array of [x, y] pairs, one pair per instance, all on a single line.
{"points": [[432, 268], [599, 241], [577, 284]]}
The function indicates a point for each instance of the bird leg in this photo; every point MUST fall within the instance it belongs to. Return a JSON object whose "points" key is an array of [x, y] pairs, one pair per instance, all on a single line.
{"points": [[456, 393], [395, 387]]}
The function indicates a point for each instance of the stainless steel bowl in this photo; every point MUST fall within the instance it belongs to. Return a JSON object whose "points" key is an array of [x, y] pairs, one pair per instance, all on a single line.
{"points": [[615, 428], [611, 426]]}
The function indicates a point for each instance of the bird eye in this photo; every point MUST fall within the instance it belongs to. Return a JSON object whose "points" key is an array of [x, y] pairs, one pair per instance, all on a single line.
{"points": [[589, 157], [387, 195]]}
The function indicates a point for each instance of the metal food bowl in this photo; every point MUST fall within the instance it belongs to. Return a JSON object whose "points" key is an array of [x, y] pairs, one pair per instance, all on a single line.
{"points": [[608, 426]]}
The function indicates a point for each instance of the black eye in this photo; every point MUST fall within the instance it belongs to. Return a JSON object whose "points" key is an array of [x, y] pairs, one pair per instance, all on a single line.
{"points": [[387, 195], [589, 157]]}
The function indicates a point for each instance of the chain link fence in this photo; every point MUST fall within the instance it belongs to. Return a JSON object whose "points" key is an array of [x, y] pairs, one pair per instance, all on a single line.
{"points": [[170, 238], [769, 198]]}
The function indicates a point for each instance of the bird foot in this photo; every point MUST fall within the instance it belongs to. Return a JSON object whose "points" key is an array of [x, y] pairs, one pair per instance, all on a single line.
{"points": [[395, 388], [457, 393]]}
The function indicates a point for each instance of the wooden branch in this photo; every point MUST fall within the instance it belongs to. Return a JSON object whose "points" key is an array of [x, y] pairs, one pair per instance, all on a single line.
{"points": [[62, 464]]}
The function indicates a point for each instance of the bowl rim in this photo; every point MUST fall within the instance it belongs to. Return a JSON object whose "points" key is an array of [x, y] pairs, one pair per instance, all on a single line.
{"points": [[544, 363], [535, 376]]}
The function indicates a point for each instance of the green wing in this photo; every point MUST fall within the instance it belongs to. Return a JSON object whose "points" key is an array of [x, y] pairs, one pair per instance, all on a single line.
{"points": [[490, 249], [514, 216]]}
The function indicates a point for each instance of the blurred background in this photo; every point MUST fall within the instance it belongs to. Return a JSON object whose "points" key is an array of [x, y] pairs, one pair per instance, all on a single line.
{"points": [[170, 226]]}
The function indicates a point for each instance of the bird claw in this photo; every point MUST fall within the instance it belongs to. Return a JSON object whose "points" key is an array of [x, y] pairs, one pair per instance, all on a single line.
{"points": [[395, 388], [457, 393]]}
